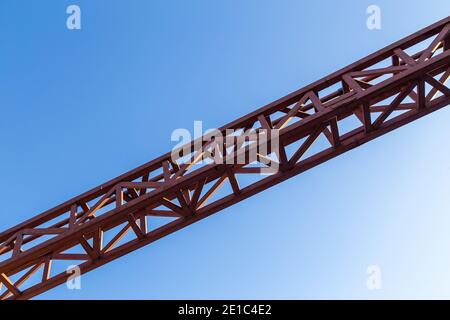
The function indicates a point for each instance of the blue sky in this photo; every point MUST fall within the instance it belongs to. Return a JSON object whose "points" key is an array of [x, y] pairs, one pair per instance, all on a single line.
{"points": [[80, 107]]}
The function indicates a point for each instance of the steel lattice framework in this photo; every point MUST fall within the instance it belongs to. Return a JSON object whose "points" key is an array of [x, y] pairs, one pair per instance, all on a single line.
{"points": [[386, 90]]}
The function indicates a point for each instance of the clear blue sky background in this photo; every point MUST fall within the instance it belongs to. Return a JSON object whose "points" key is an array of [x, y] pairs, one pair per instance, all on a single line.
{"points": [[80, 107]]}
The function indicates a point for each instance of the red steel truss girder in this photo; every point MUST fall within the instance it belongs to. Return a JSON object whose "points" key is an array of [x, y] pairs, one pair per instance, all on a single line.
{"points": [[167, 187]]}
